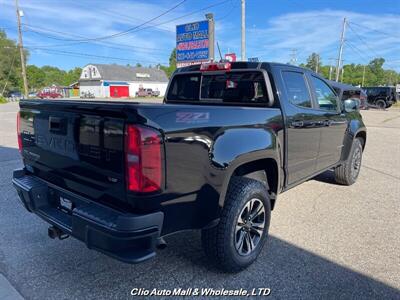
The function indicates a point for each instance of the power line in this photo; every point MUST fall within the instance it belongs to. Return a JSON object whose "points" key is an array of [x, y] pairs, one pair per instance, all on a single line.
{"points": [[127, 17], [138, 26], [131, 29], [100, 43], [358, 51], [365, 43], [80, 54], [87, 40], [375, 30]]}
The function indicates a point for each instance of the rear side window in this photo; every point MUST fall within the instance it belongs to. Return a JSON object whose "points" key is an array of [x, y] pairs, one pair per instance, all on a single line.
{"points": [[297, 89], [185, 88], [326, 98], [230, 87]]}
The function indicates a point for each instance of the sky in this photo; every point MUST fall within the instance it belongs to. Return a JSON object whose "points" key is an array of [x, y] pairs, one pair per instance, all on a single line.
{"points": [[56, 32]]}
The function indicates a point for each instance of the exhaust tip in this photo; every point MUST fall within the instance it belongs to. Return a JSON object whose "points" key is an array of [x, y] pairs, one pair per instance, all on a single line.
{"points": [[161, 243]]}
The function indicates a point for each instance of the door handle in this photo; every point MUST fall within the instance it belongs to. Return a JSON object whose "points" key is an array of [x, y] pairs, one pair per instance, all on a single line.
{"points": [[297, 124]]}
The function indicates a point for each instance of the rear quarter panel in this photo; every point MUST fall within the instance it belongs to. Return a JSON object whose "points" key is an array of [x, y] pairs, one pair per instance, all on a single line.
{"points": [[203, 146]]}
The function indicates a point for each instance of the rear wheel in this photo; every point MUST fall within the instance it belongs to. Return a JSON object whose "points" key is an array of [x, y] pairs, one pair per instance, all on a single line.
{"points": [[348, 172], [381, 104], [238, 239]]}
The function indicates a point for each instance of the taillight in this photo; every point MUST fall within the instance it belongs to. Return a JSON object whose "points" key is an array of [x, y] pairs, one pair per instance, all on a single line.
{"points": [[143, 159], [19, 132]]}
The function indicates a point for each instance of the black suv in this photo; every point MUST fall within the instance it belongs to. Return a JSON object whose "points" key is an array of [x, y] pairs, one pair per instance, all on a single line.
{"points": [[381, 96], [347, 91]]}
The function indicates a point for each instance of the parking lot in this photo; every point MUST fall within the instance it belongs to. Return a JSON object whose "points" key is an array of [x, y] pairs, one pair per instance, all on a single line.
{"points": [[326, 240]]}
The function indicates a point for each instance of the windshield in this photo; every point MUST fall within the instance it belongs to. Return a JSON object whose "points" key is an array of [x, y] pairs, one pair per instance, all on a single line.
{"points": [[233, 87]]}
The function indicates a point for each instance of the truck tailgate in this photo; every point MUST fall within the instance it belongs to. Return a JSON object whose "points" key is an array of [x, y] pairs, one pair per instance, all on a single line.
{"points": [[75, 146]]}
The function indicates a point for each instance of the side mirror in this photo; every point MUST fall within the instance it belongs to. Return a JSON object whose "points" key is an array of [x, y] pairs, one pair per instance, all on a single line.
{"points": [[351, 105]]}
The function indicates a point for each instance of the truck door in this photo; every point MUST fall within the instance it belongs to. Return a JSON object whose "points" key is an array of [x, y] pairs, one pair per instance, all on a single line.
{"points": [[332, 122], [303, 134]]}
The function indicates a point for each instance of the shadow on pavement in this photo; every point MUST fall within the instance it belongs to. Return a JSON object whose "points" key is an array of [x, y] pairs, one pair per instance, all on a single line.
{"points": [[41, 268], [290, 272], [326, 177]]}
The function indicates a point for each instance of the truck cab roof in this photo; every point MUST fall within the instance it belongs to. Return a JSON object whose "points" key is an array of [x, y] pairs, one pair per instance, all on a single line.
{"points": [[240, 65]]}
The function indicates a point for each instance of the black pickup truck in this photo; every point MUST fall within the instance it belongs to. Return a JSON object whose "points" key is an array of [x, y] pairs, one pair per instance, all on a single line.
{"points": [[228, 138]]}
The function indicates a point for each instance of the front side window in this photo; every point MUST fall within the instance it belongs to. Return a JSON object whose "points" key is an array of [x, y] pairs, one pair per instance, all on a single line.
{"points": [[297, 90], [326, 98]]}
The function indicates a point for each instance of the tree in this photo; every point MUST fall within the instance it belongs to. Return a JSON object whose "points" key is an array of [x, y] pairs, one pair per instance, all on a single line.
{"points": [[172, 64], [375, 74], [10, 65], [72, 76], [172, 58], [36, 77], [313, 61]]}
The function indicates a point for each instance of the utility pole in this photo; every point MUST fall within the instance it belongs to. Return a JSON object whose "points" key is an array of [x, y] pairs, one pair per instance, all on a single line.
{"points": [[338, 65], [211, 34], [317, 65], [342, 73], [331, 68], [243, 30], [363, 78], [21, 50], [293, 57]]}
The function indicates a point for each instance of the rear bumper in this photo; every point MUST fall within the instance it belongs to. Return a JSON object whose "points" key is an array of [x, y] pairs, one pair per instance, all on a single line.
{"points": [[127, 237]]}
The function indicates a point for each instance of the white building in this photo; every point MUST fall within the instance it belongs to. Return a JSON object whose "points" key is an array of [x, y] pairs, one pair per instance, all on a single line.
{"points": [[115, 81]]}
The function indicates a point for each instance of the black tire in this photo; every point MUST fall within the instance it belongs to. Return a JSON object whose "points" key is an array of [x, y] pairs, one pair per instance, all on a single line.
{"points": [[220, 241], [348, 172], [381, 104]]}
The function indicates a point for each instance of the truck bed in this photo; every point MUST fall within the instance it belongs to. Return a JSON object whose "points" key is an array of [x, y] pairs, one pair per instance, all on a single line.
{"points": [[79, 146]]}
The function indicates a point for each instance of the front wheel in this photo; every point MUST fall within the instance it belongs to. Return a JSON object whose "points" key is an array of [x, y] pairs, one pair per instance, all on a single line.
{"points": [[238, 239], [348, 172]]}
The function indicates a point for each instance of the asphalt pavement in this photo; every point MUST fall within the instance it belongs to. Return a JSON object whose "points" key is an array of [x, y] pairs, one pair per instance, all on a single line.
{"points": [[326, 240]]}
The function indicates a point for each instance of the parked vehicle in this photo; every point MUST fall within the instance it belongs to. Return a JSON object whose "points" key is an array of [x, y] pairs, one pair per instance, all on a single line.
{"points": [[381, 96], [347, 91], [147, 93], [32, 95], [229, 138], [16, 95], [50, 93]]}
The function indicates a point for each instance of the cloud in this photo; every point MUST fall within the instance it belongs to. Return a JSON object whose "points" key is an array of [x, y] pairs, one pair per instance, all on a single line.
{"points": [[270, 40], [151, 45], [319, 31]]}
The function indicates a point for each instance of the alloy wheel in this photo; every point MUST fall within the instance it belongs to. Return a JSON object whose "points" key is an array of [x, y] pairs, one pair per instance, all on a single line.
{"points": [[250, 227], [356, 163]]}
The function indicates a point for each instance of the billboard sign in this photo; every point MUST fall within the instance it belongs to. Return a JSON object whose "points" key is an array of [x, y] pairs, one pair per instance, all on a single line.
{"points": [[193, 43]]}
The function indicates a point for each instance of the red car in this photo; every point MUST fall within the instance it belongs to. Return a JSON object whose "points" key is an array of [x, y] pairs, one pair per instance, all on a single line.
{"points": [[48, 93]]}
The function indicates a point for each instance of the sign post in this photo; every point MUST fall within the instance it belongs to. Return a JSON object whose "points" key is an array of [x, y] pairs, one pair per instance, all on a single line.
{"points": [[195, 42]]}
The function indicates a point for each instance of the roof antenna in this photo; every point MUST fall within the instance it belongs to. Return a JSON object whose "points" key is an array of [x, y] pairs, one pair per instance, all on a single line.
{"points": [[219, 50]]}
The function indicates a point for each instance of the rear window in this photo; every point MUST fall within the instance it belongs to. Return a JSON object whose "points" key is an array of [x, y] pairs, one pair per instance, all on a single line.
{"points": [[230, 87]]}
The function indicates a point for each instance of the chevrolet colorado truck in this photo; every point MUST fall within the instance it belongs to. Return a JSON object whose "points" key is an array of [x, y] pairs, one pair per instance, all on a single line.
{"points": [[228, 139]]}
